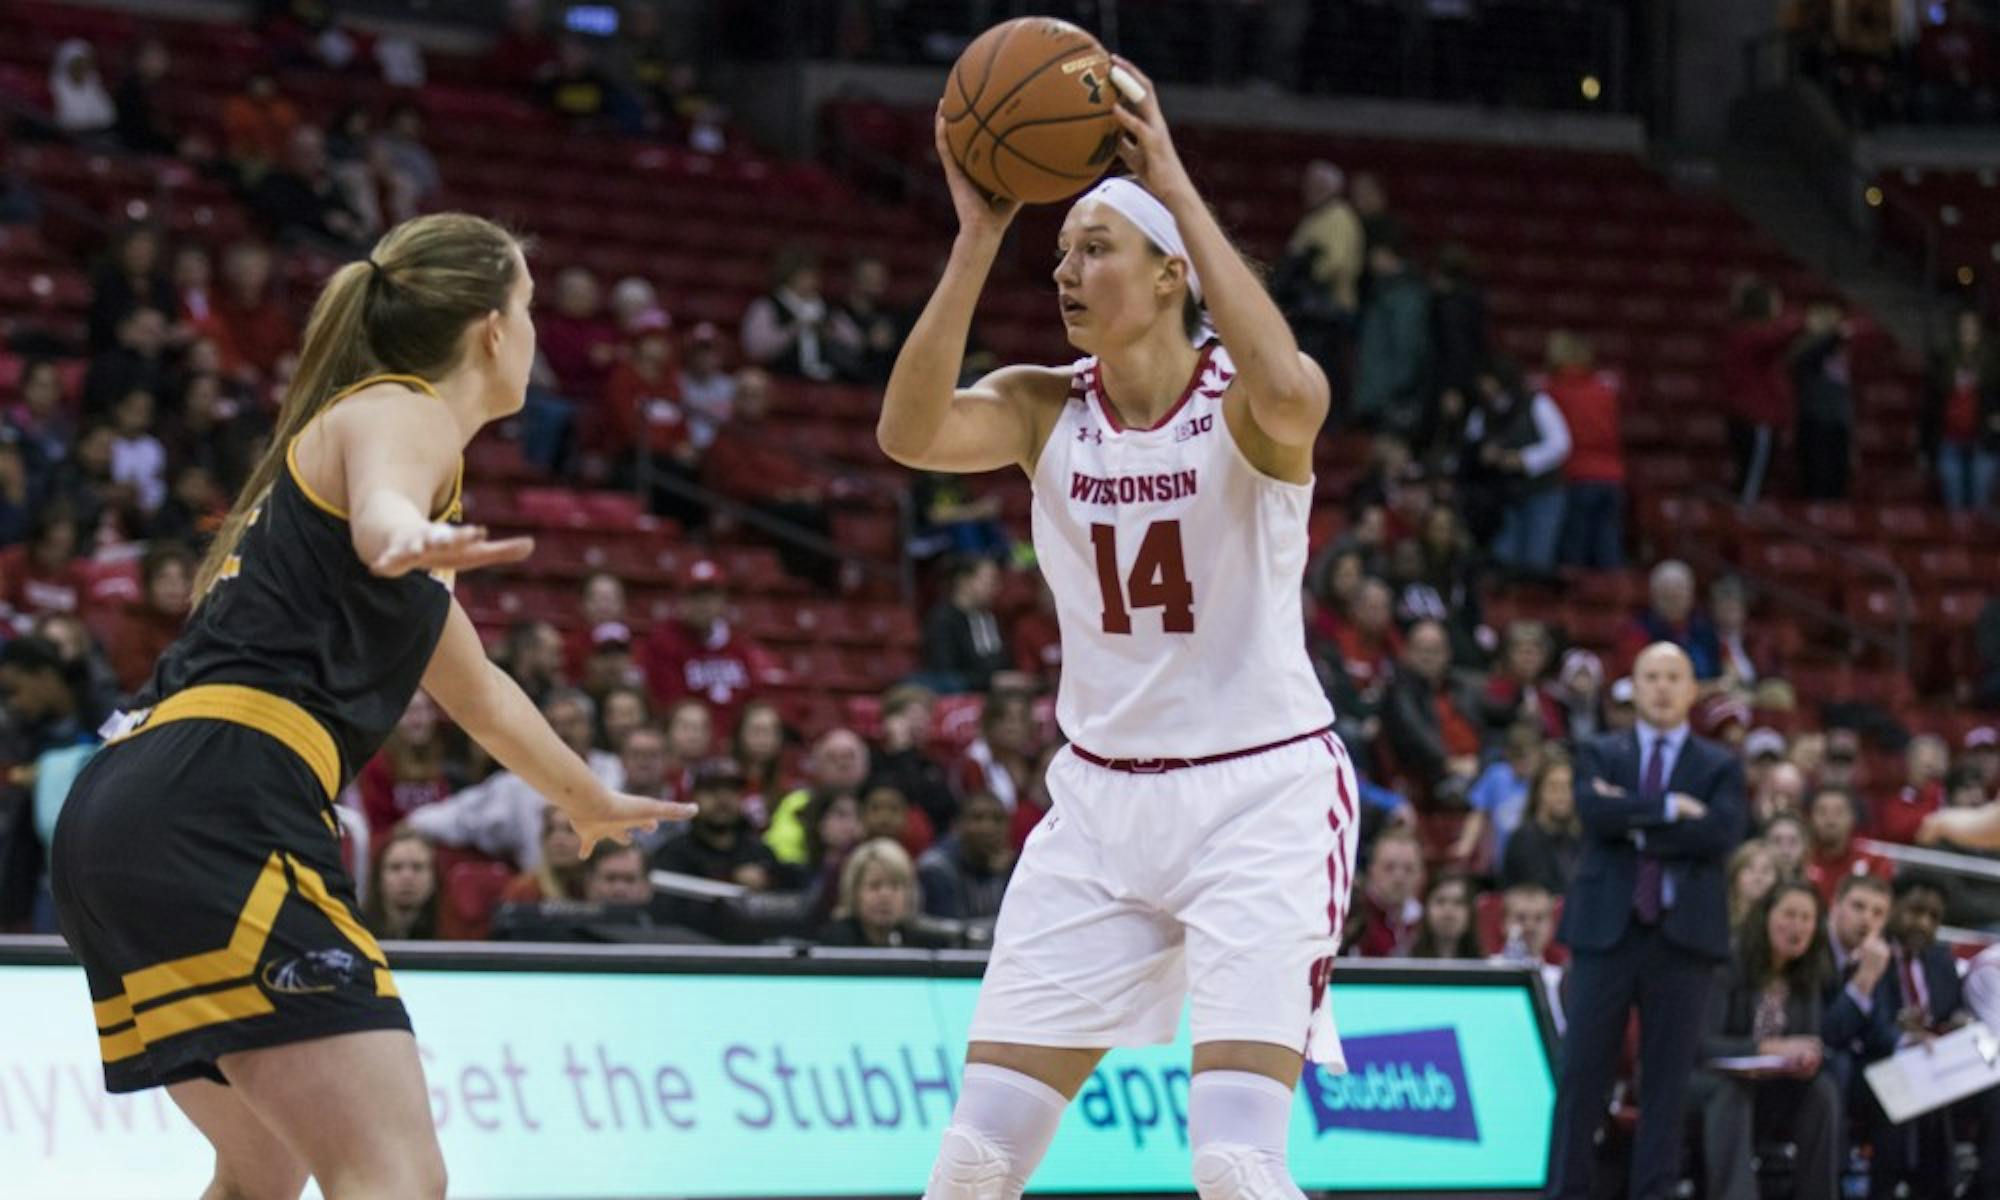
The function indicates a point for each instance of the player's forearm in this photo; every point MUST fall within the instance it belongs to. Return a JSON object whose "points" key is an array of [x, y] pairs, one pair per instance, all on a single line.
{"points": [[1260, 341], [915, 403], [1972, 828], [514, 732]]}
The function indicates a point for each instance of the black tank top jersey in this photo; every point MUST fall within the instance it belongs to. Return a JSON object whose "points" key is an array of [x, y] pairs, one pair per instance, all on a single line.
{"points": [[297, 614]]}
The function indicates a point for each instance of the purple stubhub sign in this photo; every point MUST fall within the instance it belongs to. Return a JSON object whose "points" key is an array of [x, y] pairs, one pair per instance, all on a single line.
{"points": [[1412, 1083]]}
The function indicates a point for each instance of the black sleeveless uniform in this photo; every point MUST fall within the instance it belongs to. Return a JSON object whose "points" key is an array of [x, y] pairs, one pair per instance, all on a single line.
{"points": [[196, 862]]}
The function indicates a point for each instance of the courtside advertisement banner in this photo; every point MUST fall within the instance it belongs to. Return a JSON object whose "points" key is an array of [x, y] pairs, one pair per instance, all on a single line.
{"points": [[549, 1085]]}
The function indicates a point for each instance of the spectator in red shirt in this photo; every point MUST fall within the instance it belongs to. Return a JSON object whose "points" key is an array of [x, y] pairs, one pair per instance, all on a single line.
{"points": [[1519, 691], [1982, 754], [1037, 639], [257, 124], [749, 463], [1961, 418], [1594, 473], [407, 773], [44, 575], [1925, 762], [698, 653], [255, 330], [1369, 644], [149, 626], [1756, 381], [1834, 855], [1001, 760], [579, 340], [1436, 745], [1391, 913], [642, 406]]}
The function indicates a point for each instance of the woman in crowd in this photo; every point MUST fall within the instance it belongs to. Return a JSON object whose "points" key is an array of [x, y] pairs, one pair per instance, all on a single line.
{"points": [[878, 902], [403, 897], [560, 874], [1447, 931], [1753, 872], [1544, 850]]}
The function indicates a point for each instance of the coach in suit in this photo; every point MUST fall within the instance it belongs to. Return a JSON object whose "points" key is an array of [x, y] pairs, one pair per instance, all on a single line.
{"points": [[1648, 920]]}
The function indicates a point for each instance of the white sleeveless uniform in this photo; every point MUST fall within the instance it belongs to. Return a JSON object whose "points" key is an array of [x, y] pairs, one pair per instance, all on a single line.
{"points": [[1176, 568]]}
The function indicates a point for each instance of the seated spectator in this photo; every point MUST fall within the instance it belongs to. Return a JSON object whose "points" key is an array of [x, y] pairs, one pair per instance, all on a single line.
{"points": [[615, 874], [142, 127], [838, 764], [1755, 384], [878, 902], [749, 463], [963, 642], [1435, 744], [1518, 691], [1392, 361], [886, 813], [408, 772], [300, 198], [578, 339], [1960, 431], [833, 827], [1896, 818], [560, 873], [133, 277], [257, 331], [195, 508], [1922, 995], [622, 710], [863, 335], [965, 873], [1785, 836], [43, 420], [138, 458], [1389, 910], [1357, 664], [45, 575], [1670, 616], [402, 142], [949, 518], [524, 55], [257, 126], [690, 730], [581, 93], [600, 602], [788, 330], [1769, 1004], [1748, 661], [532, 653], [1001, 760], [903, 759], [501, 816], [1036, 636], [1528, 925], [1854, 1033], [1752, 873], [1834, 855], [1980, 751], [1594, 473], [402, 901], [1499, 799], [82, 106], [1580, 690], [211, 431], [149, 625], [699, 653], [17, 496], [758, 746], [1447, 930], [1822, 382], [719, 844], [1516, 443], [707, 388], [1545, 849], [1035, 803], [137, 363]]}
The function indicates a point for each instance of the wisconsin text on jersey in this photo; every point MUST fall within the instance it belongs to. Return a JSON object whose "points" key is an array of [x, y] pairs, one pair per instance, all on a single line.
{"points": [[1132, 489]]}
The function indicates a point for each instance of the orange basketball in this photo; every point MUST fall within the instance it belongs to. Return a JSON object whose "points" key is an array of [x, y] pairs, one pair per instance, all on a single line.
{"points": [[1027, 110]]}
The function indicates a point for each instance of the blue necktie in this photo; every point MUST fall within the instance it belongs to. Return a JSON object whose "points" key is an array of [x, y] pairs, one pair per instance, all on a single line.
{"points": [[1647, 894]]}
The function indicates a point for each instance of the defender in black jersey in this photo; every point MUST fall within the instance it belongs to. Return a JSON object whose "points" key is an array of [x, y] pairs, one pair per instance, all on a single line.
{"points": [[196, 861]]}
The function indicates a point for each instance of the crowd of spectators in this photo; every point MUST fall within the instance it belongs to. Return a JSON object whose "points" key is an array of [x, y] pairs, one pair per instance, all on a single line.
{"points": [[1899, 60]]}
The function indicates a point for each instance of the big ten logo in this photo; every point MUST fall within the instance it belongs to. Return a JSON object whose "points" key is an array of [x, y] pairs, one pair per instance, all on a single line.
{"points": [[1410, 1083], [1194, 427]]}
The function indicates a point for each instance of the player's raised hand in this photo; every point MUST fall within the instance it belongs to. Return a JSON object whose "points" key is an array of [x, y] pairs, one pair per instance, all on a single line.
{"points": [[1146, 146], [437, 546], [978, 212], [616, 816]]}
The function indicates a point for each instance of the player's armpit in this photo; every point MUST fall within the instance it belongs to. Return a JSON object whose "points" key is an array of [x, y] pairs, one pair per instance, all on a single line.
{"points": [[397, 458]]}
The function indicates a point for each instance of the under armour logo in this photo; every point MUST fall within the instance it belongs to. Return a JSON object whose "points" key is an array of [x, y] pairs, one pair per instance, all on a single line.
{"points": [[1090, 433]]}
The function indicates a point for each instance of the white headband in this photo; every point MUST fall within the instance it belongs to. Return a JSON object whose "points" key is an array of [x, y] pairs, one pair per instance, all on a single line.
{"points": [[1143, 209]]}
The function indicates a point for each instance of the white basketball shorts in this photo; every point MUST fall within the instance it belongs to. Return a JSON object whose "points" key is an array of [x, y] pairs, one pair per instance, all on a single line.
{"points": [[1226, 882]]}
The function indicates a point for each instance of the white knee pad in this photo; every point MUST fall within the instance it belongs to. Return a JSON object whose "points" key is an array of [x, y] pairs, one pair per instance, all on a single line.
{"points": [[969, 1167], [1235, 1171]]}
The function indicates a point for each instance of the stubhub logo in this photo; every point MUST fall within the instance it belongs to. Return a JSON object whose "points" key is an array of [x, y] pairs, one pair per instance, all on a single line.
{"points": [[1411, 1083]]}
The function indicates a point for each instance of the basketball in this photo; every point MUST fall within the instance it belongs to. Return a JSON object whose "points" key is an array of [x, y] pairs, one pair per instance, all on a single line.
{"points": [[1027, 110]]}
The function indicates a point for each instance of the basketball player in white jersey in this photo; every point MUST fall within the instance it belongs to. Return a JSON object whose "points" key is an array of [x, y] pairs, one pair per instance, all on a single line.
{"points": [[1201, 839]]}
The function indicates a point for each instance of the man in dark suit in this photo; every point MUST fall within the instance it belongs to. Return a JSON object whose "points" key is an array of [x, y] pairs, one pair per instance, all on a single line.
{"points": [[1922, 989], [1648, 920]]}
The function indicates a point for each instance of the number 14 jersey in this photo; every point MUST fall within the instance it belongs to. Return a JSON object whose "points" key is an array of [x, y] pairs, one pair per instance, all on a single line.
{"points": [[1176, 568]]}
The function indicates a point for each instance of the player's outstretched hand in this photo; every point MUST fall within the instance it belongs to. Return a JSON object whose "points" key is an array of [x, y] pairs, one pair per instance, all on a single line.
{"points": [[615, 817], [978, 212], [1147, 146], [437, 546]]}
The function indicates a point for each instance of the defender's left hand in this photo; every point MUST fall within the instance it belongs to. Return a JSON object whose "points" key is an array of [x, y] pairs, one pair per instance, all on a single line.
{"points": [[1147, 146]]}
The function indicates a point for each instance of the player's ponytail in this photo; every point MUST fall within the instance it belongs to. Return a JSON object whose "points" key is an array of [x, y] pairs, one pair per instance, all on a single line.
{"points": [[403, 309]]}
